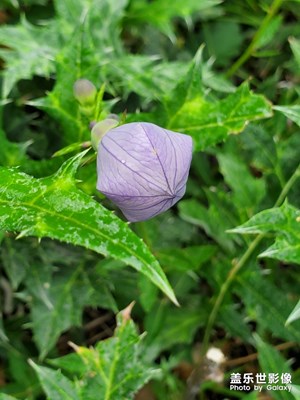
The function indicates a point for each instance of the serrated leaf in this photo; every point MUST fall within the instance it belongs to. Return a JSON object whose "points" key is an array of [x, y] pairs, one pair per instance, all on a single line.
{"points": [[271, 361], [61, 103], [248, 191], [53, 207], [58, 299], [294, 315], [165, 328], [267, 305], [291, 112], [55, 384], [284, 221], [30, 51], [113, 368], [215, 219], [188, 110], [160, 14], [189, 258]]}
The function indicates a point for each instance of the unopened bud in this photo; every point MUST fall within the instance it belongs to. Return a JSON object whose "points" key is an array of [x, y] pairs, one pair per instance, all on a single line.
{"points": [[100, 129], [85, 92]]}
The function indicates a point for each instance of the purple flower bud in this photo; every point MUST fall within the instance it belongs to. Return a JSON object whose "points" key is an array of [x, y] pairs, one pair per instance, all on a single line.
{"points": [[143, 168], [84, 91]]}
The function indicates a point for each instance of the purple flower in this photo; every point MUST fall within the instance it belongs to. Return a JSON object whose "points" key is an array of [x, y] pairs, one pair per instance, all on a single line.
{"points": [[143, 168]]}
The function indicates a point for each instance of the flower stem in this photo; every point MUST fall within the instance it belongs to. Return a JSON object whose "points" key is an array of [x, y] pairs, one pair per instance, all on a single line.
{"points": [[254, 43], [236, 268]]}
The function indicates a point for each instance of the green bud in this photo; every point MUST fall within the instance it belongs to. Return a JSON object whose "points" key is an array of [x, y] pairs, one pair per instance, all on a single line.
{"points": [[100, 129], [85, 92]]}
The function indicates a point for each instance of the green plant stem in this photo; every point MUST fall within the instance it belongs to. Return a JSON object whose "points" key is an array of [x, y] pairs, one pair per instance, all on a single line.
{"points": [[253, 45], [236, 268]]}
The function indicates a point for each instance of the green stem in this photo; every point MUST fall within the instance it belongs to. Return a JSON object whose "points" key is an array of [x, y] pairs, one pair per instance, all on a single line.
{"points": [[236, 268], [253, 45]]}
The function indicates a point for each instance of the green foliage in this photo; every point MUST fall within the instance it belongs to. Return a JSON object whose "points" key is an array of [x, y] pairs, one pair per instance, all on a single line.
{"points": [[224, 72], [284, 222], [271, 360], [188, 110], [111, 369], [160, 14], [30, 51], [295, 314], [53, 207]]}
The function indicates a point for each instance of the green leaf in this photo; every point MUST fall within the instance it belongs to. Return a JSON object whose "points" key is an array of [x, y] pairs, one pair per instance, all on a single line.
{"points": [[215, 220], [284, 221], [291, 112], [55, 384], [6, 397], [188, 110], [165, 328], [160, 14], [31, 51], [53, 207], [224, 40], [294, 315], [113, 369], [271, 361], [248, 191], [295, 46], [189, 258], [11, 154], [58, 299], [267, 305], [61, 103]]}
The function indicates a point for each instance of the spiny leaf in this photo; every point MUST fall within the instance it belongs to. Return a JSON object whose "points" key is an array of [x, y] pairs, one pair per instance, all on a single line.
{"points": [[57, 300], [248, 191], [31, 51], [112, 370], [160, 14], [53, 207], [284, 221], [267, 305], [189, 110], [55, 384]]}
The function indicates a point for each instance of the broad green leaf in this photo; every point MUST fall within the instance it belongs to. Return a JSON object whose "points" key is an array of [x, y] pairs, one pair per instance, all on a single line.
{"points": [[291, 112], [55, 384], [295, 314], [166, 329], [189, 258], [53, 207], [223, 40], [58, 299], [189, 110], [11, 154], [113, 368], [271, 361], [160, 14], [234, 322], [31, 51], [6, 397], [267, 305], [215, 219], [248, 191], [284, 221]]}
